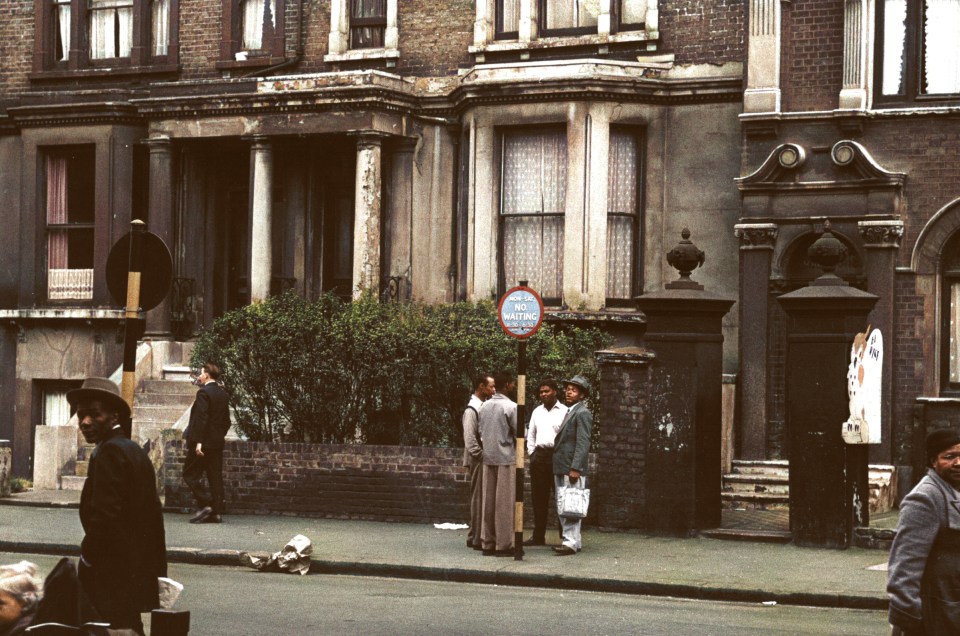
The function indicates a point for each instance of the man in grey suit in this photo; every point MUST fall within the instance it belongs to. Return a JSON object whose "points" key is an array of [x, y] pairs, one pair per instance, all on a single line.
{"points": [[209, 423], [571, 454], [498, 434]]}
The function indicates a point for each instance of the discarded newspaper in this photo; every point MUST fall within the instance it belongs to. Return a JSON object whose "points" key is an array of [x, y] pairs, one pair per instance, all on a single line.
{"points": [[293, 558]]}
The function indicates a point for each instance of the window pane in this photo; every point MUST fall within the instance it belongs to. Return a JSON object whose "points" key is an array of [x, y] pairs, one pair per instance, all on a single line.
{"points": [[368, 23], [566, 14], [941, 50], [111, 28], [509, 15], [621, 214], [256, 14], [633, 11], [894, 40], [533, 202], [955, 332], [56, 409], [160, 27], [62, 18], [69, 215]]}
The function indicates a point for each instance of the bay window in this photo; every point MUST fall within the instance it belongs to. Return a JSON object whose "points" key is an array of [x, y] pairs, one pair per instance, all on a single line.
{"points": [[623, 205], [572, 17], [69, 214], [918, 50]]}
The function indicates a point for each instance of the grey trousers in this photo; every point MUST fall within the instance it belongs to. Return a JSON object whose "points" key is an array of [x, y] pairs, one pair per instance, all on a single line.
{"points": [[499, 493], [476, 503], [569, 527]]}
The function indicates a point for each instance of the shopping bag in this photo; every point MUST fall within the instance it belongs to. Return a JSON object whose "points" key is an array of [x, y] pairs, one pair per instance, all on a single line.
{"points": [[573, 500]]}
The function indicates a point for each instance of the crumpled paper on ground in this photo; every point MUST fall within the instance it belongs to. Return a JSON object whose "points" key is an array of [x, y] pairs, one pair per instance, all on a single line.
{"points": [[169, 591], [293, 558]]}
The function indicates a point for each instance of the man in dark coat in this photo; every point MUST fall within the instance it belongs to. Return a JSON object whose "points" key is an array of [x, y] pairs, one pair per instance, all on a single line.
{"points": [[571, 452], [123, 550], [209, 423]]}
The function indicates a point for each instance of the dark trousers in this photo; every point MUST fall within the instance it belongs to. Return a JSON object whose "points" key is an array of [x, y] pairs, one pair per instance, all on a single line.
{"points": [[211, 465], [541, 486], [113, 599]]}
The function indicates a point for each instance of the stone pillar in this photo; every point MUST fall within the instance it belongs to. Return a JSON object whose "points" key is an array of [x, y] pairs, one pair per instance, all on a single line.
{"points": [[621, 493], [756, 250], [160, 222], [829, 485], [857, 53], [6, 467], [882, 240], [398, 221], [366, 220], [763, 60], [261, 219], [683, 460]]}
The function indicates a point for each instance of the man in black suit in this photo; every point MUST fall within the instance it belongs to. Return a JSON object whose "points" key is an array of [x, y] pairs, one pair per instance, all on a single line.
{"points": [[209, 423], [123, 550]]}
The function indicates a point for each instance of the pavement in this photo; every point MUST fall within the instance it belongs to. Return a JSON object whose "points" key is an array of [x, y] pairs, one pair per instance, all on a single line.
{"points": [[46, 522]]}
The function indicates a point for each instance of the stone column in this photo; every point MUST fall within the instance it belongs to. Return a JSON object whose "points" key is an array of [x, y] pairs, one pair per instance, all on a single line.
{"points": [[6, 467], [829, 485], [756, 250], [366, 221], [160, 222], [857, 53], [399, 221], [882, 240], [261, 221], [763, 61]]}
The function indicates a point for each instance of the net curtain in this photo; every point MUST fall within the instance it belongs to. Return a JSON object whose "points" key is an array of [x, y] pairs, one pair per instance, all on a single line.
{"points": [[534, 195], [160, 23], [111, 28], [253, 22], [367, 37], [942, 47], [57, 212], [63, 28], [621, 214]]}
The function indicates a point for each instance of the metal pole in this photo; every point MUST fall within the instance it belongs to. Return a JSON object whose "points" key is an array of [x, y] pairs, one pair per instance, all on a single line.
{"points": [[521, 440], [133, 324]]}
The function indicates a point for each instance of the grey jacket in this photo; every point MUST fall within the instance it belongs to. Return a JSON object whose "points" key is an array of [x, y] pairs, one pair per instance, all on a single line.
{"points": [[571, 450], [931, 506], [472, 452], [498, 431]]}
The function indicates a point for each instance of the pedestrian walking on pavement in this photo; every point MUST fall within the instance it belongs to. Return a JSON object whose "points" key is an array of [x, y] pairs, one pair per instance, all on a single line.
{"points": [[209, 423], [123, 551], [498, 432], [545, 422], [570, 455], [483, 388], [923, 579]]}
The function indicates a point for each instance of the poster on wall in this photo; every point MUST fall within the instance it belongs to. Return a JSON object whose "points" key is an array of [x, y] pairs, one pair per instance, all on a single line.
{"points": [[864, 388]]}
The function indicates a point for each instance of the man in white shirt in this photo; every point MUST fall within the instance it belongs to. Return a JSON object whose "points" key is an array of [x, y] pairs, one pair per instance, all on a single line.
{"points": [[545, 421]]}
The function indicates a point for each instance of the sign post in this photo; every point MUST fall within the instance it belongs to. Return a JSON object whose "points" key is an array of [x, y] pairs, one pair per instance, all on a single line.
{"points": [[520, 314]]}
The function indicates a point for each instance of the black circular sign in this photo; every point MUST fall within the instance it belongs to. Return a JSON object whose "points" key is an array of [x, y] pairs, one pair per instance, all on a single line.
{"points": [[156, 270]]}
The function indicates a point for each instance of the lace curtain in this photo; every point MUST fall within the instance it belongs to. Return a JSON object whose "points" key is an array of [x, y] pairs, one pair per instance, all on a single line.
{"points": [[63, 29], [160, 27], [534, 196], [253, 21], [56, 212], [894, 36], [367, 37], [111, 28], [941, 47], [511, 15], [565, 14], [56, 408], [621, 214]]}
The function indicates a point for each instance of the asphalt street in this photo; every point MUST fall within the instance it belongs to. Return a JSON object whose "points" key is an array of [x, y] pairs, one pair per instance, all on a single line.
{"points": [[235, 601]]}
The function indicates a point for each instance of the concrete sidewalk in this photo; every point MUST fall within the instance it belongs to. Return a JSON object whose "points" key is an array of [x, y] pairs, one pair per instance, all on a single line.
{"points": [[625, 562]]}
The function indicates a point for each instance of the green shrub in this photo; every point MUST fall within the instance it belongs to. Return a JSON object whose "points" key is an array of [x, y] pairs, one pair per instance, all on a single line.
{"points": [[20, 484], [334, 372]]}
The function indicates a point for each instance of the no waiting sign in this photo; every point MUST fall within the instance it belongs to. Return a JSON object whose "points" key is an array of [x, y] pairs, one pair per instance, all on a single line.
{"points": [[520, 312]]}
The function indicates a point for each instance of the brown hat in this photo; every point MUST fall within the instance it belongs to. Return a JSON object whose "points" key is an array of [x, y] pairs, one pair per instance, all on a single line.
{"points": [[102, 389], [940, 440]]}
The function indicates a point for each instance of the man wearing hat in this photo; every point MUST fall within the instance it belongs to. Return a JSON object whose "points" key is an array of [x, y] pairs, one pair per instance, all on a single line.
{"points": [[123, 549], [570, 455], [923, 579]]}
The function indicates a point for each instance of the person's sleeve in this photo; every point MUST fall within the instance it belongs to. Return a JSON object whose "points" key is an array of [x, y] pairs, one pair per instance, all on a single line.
{"points": [[200, 417], [532, 433], [471, 433], [581, 452], [102, 531], [917, 530]]}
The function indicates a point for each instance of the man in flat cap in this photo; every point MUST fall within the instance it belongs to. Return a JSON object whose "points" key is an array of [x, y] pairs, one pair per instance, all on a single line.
{"points": [[923, 579], [571, 454], [123, 550]]}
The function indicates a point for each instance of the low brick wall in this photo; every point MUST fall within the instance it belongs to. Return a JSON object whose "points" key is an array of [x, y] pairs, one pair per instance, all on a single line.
{"points": [[339, 481]]}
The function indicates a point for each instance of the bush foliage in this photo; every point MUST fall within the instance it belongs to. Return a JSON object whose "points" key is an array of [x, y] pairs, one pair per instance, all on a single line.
{"points": [[329, 371]]}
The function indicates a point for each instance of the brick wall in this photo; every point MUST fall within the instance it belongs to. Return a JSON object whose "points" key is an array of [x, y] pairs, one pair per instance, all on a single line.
{"points": [[812, 55], [908, 366], [703, 32], [16, 42], [340, 481]]}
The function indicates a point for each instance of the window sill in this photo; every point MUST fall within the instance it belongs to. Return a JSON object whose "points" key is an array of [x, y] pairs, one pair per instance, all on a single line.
{"points": [[80, 313], [359, 55], [250, 63], [506, 46], [95, 72]]}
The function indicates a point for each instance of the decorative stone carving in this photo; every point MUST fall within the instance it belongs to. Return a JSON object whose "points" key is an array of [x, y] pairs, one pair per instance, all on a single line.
{"points": [[756, 236], [685, 257], [881, 234]]}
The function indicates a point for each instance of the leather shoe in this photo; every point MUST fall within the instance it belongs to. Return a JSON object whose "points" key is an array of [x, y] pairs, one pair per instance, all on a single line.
{"points": [[202, 514], [532, 541], [564, 550]]}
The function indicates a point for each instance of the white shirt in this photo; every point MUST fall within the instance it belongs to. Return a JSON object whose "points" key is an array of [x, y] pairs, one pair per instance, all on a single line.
{"points": [[544, 426]]}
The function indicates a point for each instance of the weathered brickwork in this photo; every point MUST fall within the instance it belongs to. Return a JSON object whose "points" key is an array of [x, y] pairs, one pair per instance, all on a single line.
{"points": [[812, 55], [703, 32], [16, 39], [434, 36]]}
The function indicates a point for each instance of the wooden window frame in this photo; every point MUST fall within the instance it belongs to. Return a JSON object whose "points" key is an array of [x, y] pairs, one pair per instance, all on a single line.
{"points": [[636, 270]]}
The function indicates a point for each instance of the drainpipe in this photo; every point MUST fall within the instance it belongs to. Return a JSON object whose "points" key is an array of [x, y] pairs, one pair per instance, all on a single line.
{"points": [[298, 51]]}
